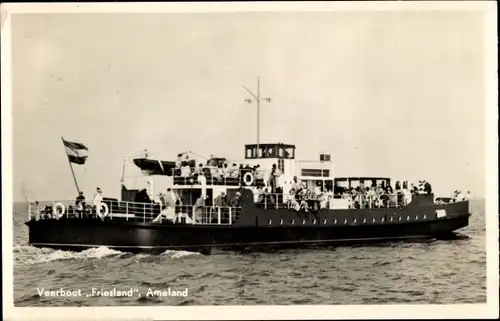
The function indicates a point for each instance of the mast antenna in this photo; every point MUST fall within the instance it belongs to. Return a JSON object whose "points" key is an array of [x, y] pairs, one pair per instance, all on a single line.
{"points": [[257, 98]]}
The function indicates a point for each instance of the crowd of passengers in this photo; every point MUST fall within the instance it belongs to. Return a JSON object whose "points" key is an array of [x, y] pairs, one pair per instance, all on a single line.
{"points": [[185, 167], [303, 198]]}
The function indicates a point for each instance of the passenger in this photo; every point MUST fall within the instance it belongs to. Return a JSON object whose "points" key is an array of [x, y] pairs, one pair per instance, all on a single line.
{"points": [[185, 170], [370, 195], [198, 170], [323, 200], [273, 177], [80, 203], [259, 195], [212, 162], [98, 200], [295, 185], [406, 194], [223, 171], [220, 200], [163, 201], [199, 205], [170, 198], [304, 197], [235, 201], [178, 161], [427, 188], [389, 189], [414, 188], [234, 172]]}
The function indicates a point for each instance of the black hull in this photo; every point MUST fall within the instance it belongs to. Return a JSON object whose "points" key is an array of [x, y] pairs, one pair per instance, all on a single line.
{"points": [[77, 234]]}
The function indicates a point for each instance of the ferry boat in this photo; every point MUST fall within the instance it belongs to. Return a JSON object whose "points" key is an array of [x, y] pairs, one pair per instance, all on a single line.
{"points": [[268, 200]]}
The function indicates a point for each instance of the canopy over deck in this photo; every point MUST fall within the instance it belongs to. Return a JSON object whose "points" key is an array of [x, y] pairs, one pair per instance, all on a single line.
{"points": [[154, 166]]}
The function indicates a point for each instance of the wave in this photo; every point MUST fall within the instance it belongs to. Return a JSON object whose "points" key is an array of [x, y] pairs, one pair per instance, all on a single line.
{"points": [[27, 255], [173, 254]]}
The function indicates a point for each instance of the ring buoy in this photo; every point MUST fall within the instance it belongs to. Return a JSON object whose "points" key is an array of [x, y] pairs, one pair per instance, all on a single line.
{"points": [[247, 181], [106, 210], [58, 214]]}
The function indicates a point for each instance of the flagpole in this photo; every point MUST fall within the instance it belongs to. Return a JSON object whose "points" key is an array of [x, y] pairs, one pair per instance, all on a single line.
{"points": [[71, 166]]}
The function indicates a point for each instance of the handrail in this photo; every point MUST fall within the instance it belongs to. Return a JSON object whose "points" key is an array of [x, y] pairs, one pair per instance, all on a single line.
{"points": [[143, 212], [357, 200]]}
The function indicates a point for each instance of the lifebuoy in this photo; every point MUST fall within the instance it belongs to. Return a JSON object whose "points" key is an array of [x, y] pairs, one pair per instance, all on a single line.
{"points": [[56, 213], [247, 181], [106, 210]]}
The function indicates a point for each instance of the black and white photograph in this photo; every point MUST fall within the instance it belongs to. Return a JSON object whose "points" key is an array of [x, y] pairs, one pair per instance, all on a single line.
{"points": [[332, 156]]}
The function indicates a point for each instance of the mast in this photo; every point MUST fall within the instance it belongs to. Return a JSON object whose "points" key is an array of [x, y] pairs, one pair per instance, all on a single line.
{"points": [[257, 98]]}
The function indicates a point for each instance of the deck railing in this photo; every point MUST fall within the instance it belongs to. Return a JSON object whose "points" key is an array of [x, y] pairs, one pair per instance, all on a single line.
{"points": [[330, 201], [219, 176], [133, 211]]}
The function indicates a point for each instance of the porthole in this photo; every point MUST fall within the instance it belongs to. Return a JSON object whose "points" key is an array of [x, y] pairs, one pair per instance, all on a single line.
{"points": [[364, 220], [416, 217], [399, 218], [382, 220], [425, 216], [335, 221], [303, 221], [314, 222], [324, 221], [345, 221], [281, 221], [354, 221], [270, 222], [391, 219], [373, 220], [293, 222], [408, 218]]}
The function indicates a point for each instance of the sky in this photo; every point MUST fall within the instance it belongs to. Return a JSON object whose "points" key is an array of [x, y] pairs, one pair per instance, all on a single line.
{"points": [[386, 93]]}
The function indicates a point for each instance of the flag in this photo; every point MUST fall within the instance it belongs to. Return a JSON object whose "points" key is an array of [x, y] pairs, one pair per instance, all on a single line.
{"points": [[77, 153]]}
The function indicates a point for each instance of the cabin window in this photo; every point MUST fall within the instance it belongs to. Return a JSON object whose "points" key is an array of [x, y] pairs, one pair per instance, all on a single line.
{"points": [[400, 218], [249, 153], [293, 222], [416, 217], [364, 220], [281, 221], [314, 222], [289, 152], [280, 152], [354, 221], [335, 221], [425, 216], [303, 221], [270, 222], [281, 165], [382, 220], [324, 222], [315, 172], [408, 218], [373, 220]]}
